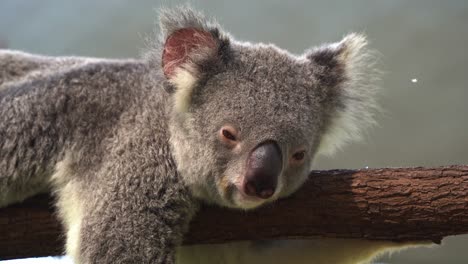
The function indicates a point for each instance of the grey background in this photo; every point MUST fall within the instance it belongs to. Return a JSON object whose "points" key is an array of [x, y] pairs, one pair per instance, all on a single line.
{"points": [[424, 123]]}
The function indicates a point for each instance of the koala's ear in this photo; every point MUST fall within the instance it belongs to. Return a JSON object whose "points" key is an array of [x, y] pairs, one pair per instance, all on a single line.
{"points": [[347, 71], [193, 47], [184, 49]]}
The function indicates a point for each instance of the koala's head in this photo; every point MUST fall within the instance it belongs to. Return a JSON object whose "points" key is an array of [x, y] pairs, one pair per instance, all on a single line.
{"points": [[248, 119]]}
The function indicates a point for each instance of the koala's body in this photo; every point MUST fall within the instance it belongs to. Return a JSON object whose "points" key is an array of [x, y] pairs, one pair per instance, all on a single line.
{"points": [[130, 147]]}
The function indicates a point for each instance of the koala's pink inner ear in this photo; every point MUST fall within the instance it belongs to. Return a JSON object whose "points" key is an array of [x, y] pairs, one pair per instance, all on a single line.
{"points": [[181, 44]]}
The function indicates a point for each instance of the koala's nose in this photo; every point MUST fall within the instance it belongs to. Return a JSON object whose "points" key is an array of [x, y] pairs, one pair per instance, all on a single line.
{"points": [[264, 166]]}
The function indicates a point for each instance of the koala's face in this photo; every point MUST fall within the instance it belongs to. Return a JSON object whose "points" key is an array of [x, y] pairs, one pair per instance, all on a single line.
{"points": [[247, 120], [260, 120]]}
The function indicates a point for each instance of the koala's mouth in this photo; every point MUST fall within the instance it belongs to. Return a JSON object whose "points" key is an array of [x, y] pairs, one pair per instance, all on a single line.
{"points": [[234, 197], [247, 202]]}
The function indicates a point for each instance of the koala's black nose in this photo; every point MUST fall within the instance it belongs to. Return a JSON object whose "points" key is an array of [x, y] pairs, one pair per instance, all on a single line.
{"points": [[264, 166]]}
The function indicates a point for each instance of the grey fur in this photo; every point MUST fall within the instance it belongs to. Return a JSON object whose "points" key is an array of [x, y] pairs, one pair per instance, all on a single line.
{"points": [[105, 134]]}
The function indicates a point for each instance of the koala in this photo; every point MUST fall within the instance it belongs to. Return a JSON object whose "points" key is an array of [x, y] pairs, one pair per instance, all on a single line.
{"points": [[130, 148]]}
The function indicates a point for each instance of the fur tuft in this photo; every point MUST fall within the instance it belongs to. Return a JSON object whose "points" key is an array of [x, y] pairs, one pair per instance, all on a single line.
{"points": [[357, 94], [171, 20]]}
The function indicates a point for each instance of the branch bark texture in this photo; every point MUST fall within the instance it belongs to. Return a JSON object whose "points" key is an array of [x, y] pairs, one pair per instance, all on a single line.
{"points": [[399, 204]]}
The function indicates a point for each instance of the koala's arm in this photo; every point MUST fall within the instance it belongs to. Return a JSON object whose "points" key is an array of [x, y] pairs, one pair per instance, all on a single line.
{"points": [[134, 210]]}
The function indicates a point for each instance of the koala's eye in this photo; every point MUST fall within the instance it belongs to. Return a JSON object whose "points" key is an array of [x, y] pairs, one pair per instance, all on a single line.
{"points": [[298, 156], [229, 135]]}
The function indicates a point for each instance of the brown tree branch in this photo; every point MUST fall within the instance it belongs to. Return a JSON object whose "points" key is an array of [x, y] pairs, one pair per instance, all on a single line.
{"points": [[403, 204]]}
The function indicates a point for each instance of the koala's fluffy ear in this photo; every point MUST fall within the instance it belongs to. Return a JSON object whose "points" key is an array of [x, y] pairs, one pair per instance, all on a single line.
{"points": [[347, 69], [193, 47]]}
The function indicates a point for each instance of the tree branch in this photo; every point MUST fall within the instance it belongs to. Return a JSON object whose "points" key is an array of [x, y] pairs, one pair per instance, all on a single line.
{"points": [[402, 204]]}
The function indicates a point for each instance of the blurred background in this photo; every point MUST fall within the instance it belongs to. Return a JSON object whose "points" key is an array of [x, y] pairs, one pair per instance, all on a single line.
{"points": [[423, 45]]}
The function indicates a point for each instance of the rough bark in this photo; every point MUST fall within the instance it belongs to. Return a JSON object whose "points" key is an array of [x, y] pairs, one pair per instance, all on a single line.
{"points": [[401, 204]]}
